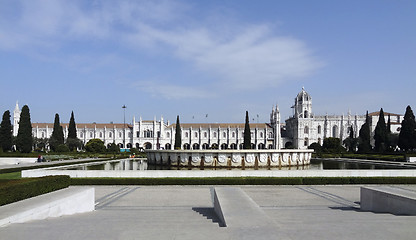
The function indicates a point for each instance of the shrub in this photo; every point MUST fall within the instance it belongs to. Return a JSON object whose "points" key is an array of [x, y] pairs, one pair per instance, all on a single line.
{"points": [[16, 190], [62, 148]]}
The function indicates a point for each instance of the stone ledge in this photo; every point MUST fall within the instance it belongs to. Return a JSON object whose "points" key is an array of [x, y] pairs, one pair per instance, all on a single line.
{"points": [[67, 201], [385, 199], [244, 218]]}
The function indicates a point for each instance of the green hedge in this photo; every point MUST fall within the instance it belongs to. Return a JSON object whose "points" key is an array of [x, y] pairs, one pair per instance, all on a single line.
{"points": [[244, 181], [16, 190]]}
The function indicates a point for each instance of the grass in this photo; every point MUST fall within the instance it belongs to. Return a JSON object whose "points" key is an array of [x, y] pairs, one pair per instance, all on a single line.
{"points": [[12, 175]]}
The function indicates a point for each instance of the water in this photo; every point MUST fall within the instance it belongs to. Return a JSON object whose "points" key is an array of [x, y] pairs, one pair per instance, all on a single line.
{"points": [[141, 165]]}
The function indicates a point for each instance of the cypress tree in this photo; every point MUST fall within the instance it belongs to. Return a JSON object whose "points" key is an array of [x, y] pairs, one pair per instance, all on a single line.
{"points": [[364, 137], [380, 133], [247, 134], [57, 137], [178, 134], [72, 129], [24, 138], [6, 132], [407, 136], [72, 141]]}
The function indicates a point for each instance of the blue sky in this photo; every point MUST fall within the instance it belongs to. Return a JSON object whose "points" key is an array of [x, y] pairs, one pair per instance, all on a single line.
{"points": [[193, 58]]}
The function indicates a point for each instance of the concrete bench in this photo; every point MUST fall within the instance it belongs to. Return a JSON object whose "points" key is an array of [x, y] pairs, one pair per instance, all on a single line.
{"points": [[62, 202], [244, 218], [385, 199]]}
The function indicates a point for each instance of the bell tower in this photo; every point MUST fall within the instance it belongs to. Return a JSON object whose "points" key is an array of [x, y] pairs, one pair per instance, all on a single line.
{"points": [[303, 105], [275, 123], [16, 119]]}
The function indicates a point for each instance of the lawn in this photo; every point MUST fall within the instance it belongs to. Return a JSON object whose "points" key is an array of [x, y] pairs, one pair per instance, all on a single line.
{"points": [[12, 175]]}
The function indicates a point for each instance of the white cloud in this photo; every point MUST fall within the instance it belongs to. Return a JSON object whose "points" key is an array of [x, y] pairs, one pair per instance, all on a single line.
{"points": [[242, 56], [168, 91]]}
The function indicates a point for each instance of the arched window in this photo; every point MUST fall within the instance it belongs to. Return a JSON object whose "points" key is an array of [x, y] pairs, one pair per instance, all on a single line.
{"points": [[261, 135], [335, 131], [306, 143], [43, 134], [270, 134], [91, 134], [110, 134], [306, 114], [224, 134], [168, 135], [101, 135], [81, 134], [205, 134], [319, 129], [215, 134], [186, 135], [233, 134], [196, 134], [319, 141], [306, 130], [120, 134]]}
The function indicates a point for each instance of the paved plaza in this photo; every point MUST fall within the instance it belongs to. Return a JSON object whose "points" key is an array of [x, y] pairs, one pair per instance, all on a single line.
{"points": [[186, 212]]}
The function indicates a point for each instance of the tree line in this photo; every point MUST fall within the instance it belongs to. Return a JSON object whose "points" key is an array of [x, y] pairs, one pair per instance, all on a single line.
{"points": [[384, 140]]}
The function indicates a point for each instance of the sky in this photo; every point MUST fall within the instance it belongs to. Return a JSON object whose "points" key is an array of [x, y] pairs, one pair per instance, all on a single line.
{"points": [[206, 61]]}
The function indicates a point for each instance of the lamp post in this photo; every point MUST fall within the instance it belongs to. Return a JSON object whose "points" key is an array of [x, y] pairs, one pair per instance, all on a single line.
{"points": [[124, 127]]}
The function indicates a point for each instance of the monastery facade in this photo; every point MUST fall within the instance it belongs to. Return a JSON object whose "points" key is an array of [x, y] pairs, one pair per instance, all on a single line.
{"points": [[300, 130]]}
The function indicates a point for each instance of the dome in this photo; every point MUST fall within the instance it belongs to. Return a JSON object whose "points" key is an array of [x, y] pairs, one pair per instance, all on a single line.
{"points": [[303, 96]]}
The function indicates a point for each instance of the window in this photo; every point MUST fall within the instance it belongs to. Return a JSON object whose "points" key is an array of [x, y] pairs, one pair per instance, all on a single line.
{"points": [[196, 134], [205, 134], [148, 134], [91, 134], [224, 134], [137, 134], [186, 135], [319, 129], [110, 134], [120, 134], [306, 142], [306, 130], [168, 135], [233, 134], [270, 135], [101, 135], [43, 134], [81, 134], [261, 135], [215, 135]]}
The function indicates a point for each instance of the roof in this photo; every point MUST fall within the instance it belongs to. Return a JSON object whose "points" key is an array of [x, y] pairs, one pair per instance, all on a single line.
{"points": [[385, 114], [84, 125], [221, 125]]}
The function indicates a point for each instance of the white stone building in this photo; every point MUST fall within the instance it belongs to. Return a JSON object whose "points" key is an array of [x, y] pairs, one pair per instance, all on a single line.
{"points": [[301, 130], [305, 128]]}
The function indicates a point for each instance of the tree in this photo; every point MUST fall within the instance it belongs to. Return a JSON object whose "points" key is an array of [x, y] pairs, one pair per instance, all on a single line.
{"points": [[113, 148], [57, 137], [316, 146], [332, 145], [6, 132], [178, 134], [24, 138], [364, 145], [407, 135], [95, 146], [351, 142], [72, 141], [247, 134], [72, 129], [380, 133]]}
